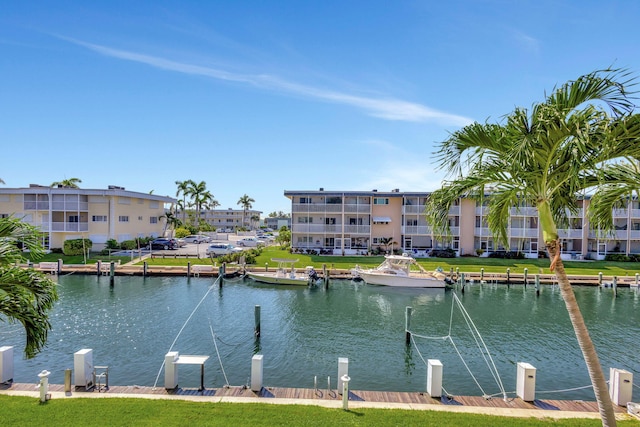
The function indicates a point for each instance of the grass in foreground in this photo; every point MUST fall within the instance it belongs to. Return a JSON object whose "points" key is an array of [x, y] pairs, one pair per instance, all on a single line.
{"points": [[22, 411]]}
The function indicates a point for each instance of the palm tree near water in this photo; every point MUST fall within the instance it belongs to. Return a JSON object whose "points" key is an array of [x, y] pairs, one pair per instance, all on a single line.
{"points": [[582, 139], [26, 295]]}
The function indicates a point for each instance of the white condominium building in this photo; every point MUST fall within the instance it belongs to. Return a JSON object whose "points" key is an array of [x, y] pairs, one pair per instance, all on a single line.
{"points": [[64, 213], [358, 222]]}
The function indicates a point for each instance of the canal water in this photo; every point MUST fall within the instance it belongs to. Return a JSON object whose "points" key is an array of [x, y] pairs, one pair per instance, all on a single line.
{"points": [[131, 326]]}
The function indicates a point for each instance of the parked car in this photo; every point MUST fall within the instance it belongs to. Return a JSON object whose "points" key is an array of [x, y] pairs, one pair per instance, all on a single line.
{"points": [[197, 238], [249, 242], [181, 242], [163, 243], [217, 249]]}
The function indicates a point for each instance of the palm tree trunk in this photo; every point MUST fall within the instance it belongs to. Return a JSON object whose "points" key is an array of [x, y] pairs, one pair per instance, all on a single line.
{"points": [[605, 406]]}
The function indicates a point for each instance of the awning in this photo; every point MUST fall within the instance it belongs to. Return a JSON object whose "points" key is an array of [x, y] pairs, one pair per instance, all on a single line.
{"points": [[381, 219]]}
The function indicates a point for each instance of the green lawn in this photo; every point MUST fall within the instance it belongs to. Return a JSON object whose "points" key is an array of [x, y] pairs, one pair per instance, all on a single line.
{"points": [[28, 411]]}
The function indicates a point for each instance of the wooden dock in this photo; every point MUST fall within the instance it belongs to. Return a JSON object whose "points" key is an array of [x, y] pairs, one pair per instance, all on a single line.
{"points": [[317, 395]]}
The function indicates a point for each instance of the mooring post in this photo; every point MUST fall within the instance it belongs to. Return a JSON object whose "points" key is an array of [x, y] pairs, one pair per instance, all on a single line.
{"points": [[256, 315], [508, 276], [188, 268], [59, 267], [481, 274], [112, 272], [98, 267], [325, 276], [221, 272], [600, 278], [637, 277], [144, 269], [614, 283], [537, 284], [407, 325], [526, 272]]}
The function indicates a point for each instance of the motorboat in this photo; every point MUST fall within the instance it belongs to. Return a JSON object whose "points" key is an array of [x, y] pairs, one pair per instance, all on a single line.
{"points": [[286, 274], [401, 271]]}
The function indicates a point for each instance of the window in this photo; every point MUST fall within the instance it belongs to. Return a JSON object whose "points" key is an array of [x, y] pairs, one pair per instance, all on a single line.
{"points": [[4, 215], [305, 200], [380, 200], [123, 218], [74, 218], [330, 221], [305, 220], [140, 218], [99, 218], [124, 200], [153, 219], [412, 222]]}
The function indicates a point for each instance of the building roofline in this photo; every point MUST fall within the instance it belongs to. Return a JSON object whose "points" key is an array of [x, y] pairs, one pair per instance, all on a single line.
{"points": [[115, 191]]}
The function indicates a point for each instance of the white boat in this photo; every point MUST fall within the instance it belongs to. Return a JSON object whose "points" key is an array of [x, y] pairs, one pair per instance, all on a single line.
{"points": [[401, 271], [286, 274]]}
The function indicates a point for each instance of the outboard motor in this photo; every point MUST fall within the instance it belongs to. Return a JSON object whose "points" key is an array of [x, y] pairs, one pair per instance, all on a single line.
{"points": [[313, 276]]}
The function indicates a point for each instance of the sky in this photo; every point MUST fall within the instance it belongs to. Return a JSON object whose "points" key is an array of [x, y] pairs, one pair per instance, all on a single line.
{"points": [[259, 97]]}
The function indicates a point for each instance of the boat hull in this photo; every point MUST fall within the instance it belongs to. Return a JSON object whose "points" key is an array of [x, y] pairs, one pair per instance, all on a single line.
{"points": [[278, 280], [382, 279]]}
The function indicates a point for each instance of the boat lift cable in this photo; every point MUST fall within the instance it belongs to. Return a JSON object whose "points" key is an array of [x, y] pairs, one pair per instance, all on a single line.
{"points": [[184, 326], [213, 335], [486, 355]]}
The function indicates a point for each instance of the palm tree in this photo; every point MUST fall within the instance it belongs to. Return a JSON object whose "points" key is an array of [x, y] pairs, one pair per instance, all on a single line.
{"points": [[245, 201], [67, 183], [172, 221], [26, 295], [183, 189], [200, 196], [1, 181], [563, 148]]}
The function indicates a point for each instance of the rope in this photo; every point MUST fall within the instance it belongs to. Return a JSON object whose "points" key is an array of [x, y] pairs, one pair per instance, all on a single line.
{"points": [[566, 389], [213, 335], [482, 347], [183, 326], [492, 367]]}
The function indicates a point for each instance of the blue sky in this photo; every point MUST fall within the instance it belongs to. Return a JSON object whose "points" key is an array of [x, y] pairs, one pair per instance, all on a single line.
{"points": [[259, 97]]}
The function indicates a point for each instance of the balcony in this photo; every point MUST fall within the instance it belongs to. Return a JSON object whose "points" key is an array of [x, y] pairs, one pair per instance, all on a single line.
{"points": [[416, 230], [570, 233], [524, 211], [364, 209], [523, 232], [315, 207], [67, 226], [70, 206], [413, 209]]}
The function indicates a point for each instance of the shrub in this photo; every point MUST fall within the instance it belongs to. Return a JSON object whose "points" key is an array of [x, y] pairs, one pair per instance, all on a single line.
{"points": [[76, 246], [617, 258], [182, 232], [112, 244], [56, 250], [507, 255], [442, 253], [128, 245]]}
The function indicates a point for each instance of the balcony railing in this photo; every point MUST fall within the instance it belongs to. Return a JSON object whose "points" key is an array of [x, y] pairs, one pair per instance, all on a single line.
{"points": [[365, 209], [416, 229], [569, 233], [413, 209], [315, 207], [523, 232], [524, 211], [69, 226]]}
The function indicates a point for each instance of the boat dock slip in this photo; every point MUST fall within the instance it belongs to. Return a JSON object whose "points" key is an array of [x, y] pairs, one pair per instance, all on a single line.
{"points": [[331, 398]]}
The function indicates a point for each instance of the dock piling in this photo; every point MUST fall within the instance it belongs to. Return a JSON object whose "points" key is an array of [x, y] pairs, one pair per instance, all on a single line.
{"points": [[256, 315], [407, 325]]}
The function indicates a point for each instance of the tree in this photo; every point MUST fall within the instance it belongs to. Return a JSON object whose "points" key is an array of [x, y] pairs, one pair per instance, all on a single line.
{"points": [[172, 221], [565, 147], [386, 242], [200, 197], [183, 190], [245, 201], [26, 295], [67, 183], [284, 237]]}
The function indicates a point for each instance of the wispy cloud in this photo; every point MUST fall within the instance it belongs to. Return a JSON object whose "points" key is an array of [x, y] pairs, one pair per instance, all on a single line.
{"points": [[384, 108]]}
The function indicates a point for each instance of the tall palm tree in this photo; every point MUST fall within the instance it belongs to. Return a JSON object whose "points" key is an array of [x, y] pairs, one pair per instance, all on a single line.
{"points": [[68, 183], [26, 295], [200, 195], [183, 189], [172, 222], [563, 148], [246, 203]]}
